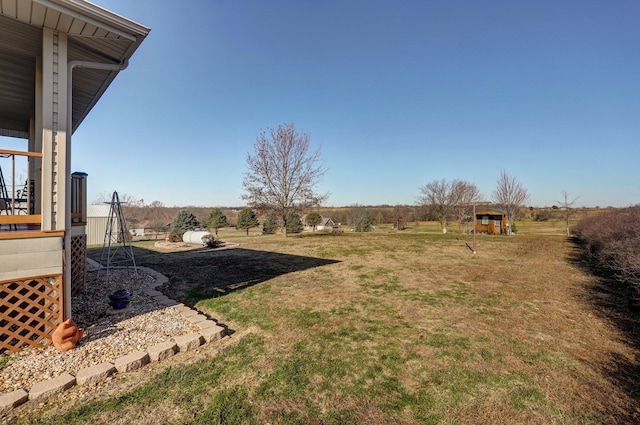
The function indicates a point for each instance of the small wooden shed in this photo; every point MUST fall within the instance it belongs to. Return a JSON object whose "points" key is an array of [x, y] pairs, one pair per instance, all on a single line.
{"points": [[492, 221]]}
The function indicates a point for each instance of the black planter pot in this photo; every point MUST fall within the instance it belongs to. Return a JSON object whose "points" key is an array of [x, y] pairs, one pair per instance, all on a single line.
{"points": [[119, 299]]}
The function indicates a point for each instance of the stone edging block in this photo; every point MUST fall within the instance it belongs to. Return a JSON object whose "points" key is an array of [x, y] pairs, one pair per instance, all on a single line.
{"points": [[152, 292], [162, 351], [206, 324], [184, 309], [189, 312], [189, 342], [132, 361], [195, 319], [214, 333], [169, 303], [51, 386], [13, 399], [93, 374]]}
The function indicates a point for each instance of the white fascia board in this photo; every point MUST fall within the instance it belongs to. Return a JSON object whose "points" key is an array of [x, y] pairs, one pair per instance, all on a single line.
{"points": [[98, 16]]}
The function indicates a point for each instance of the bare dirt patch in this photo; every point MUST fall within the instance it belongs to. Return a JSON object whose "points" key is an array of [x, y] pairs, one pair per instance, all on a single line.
{"points": [[175, 246]]}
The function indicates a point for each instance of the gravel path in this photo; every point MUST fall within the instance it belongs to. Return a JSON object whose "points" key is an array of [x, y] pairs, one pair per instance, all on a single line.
{"points": [[107, 334]]}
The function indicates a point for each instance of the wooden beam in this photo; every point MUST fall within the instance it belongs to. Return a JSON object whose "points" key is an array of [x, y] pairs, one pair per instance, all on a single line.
{"points": [[28, 234], [21, 219], [20, 153]]}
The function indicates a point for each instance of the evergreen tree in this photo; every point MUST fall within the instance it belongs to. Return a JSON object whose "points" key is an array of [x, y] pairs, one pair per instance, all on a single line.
{"points": [[183, 221], [294, 224], [216, 219], [313, 219], [271, 224], [247, 219]]}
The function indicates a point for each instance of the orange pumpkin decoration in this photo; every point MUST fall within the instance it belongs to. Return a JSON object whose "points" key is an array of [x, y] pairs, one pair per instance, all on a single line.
{"points": [[66, 335]]}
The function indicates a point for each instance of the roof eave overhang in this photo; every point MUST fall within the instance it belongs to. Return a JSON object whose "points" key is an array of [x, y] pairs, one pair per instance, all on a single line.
{"points": [[116, 26], [104, 36]]}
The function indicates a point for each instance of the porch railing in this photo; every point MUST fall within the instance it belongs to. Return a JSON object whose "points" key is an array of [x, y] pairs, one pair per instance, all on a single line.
{"points": [[17, 200]]}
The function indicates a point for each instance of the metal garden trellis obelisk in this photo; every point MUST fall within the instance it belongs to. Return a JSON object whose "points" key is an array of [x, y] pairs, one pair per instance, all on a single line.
{"points": [[117, 250]]}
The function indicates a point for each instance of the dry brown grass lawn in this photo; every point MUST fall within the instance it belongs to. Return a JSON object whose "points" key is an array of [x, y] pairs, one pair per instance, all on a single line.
{"points": [[520, 308], [407, 327]]}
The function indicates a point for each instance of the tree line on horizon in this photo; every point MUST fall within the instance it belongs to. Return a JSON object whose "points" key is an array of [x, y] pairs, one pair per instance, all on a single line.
{"points": [[280, 186]]}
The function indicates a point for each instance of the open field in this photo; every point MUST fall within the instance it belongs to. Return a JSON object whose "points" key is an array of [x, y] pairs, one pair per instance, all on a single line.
{"points": [[385, 327]]}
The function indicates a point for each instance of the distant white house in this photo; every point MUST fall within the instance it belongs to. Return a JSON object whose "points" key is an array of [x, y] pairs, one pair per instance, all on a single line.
{"points": [[137, 232], [326, 224]]}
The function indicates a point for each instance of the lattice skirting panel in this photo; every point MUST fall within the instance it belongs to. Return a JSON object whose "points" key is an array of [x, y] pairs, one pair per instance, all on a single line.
{"points": [[78, 264], [30, 310]]}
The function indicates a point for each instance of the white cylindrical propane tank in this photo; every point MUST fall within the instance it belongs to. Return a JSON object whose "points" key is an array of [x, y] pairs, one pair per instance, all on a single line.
{"points": [[195, 236]]}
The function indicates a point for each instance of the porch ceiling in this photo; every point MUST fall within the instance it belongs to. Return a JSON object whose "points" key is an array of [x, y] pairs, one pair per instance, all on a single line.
{"points": [[95, 35]]}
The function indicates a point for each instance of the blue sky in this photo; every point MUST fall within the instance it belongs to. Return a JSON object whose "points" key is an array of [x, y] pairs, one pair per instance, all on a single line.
{"points": [[396, 93]]}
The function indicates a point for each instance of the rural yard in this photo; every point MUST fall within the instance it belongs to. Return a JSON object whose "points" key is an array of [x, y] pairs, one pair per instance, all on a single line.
{"points": [[289, 234], [383, 327]]}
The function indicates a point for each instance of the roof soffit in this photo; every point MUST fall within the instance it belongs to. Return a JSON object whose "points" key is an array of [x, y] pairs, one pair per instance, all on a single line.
{"points": [[95, 35]]}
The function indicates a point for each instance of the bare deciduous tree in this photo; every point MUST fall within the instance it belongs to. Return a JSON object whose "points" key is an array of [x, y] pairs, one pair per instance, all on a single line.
{"points": [[158, 218], [463, 193], [437, 195], [283, 172], [399, 218], [510, 194], [568, 207], [125, 199], [444, 196], [360, 218]]}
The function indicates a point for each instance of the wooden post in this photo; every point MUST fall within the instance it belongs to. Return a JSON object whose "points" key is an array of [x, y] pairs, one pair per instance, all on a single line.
{"points": [[474, 219], [474, 228]]}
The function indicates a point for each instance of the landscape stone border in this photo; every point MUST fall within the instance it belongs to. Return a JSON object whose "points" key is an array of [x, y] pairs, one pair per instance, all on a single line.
{"points": [[209, 331]]}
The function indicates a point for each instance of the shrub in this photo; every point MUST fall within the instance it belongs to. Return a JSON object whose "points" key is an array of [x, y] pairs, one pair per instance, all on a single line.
{"points": [[210, 241], [543, 215], [599, 232], [611, 241], [175, 237]]}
